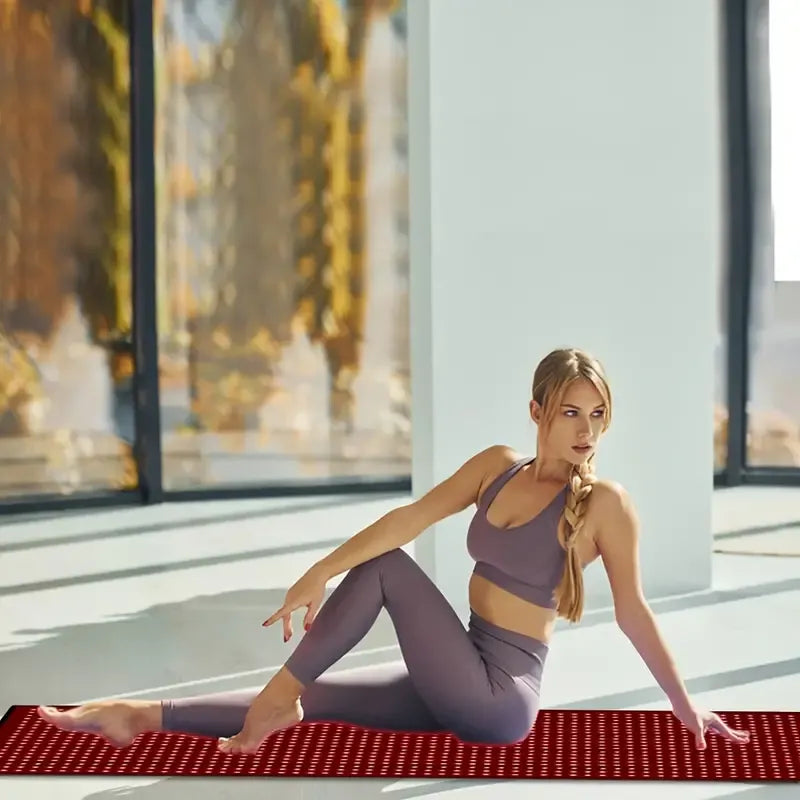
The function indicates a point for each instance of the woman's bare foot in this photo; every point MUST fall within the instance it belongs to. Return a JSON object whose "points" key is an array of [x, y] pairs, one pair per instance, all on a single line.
{"points": [[117, 721], [276, 707], [259, 724]]}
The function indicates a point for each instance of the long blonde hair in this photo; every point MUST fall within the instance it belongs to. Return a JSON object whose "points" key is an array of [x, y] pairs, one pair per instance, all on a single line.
{"points": [[555, 372]]}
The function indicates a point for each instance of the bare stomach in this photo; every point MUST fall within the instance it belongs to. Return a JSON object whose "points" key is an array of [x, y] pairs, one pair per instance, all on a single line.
{"points": [[508, 611]]}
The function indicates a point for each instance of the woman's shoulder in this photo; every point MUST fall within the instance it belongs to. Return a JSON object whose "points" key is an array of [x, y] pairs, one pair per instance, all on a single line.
{"points": [[500, 457], [611, 502], [610, 490], [607, 487], [615, 520], [496, 460]]}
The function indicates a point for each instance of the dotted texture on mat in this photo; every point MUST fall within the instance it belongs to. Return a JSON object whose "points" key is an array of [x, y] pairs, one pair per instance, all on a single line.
{"points": [[572, 745]]}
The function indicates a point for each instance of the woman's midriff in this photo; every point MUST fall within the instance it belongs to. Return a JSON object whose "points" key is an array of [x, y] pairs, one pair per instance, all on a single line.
{"points": [[508, 611]]}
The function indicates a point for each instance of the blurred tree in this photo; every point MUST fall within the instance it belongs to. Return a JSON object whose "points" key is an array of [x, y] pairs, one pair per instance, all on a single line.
{"points": [[98, 43], [287, 192], [38, 208], [237, 343], [283, 186], [38, 199], [329, 40], [330, 65]]}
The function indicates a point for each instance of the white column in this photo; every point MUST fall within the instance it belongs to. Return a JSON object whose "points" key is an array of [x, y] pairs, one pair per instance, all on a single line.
{"points": [[566, 190]]}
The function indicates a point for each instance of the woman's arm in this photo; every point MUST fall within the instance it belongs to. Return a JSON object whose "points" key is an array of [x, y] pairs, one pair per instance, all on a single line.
{"points": [[391, 531], [618, 542], [402, 525]]}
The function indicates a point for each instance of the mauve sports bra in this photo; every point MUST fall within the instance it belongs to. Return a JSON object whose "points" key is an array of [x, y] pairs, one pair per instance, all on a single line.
{"points": [[526, 560]]}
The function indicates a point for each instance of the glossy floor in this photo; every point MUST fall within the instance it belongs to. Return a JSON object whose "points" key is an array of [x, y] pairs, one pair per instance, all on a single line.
{"points": [[126, 602]]}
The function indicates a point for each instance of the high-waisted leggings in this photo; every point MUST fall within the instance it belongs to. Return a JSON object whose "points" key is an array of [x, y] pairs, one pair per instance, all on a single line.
{"points": [[481, 683]]}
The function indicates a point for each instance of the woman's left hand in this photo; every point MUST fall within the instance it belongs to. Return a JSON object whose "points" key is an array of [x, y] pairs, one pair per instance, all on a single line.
{"points": [[698, 722]]}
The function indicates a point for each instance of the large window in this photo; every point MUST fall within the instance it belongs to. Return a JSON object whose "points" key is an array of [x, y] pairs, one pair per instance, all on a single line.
{"points": [[282, 253], [773, 421], [66, 414], [276, 206]]}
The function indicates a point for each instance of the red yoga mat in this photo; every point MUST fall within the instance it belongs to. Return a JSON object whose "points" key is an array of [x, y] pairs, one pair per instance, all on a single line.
{"points": [[572, 745]]}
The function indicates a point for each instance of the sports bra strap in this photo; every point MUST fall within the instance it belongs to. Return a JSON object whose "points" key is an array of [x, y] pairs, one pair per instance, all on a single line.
{"points": [[501, 480]]}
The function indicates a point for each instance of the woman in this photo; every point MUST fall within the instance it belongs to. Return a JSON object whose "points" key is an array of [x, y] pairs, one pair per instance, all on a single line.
{"points": [[538, 523]]}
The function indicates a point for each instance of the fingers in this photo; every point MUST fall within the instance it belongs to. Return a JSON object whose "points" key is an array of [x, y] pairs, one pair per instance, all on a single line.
{"points": [[276, 616], [284, 613], [700, 740], [310, 615], [701, 722], [287, 627], [699, 730], [713, 723], [733, 734]]}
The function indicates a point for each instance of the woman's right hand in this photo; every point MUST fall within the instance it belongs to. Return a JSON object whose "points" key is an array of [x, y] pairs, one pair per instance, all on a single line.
{"points": [[308, 591]]}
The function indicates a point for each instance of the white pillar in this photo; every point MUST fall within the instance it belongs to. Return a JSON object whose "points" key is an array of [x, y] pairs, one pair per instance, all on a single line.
{"points": [[566, 190]]}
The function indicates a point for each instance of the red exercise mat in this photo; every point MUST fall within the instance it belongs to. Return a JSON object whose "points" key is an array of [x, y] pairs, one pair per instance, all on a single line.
{"points": [[594, 745]]}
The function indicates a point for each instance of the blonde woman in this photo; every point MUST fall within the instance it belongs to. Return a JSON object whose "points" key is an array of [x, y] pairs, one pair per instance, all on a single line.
{"points": [[538, 522]]}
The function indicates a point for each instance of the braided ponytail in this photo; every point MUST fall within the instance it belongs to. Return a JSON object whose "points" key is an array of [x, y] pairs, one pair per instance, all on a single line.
{"points": [[569, 593], [554, 373]]}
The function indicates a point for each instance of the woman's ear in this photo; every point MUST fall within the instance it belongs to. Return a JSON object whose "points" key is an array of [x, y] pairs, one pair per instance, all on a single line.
{"points": [[536, 411]]}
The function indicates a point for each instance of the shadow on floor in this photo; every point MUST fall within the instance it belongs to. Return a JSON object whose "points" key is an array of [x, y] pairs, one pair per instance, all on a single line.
{"points": [[207, 637], [159, 526], [285, 788]]}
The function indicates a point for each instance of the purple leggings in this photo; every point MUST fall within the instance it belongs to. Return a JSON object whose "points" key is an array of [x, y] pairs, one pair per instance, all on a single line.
{"points": [[481, 684]]}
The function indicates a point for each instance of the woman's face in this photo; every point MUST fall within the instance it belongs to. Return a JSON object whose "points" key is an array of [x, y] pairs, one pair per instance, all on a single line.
{"points": [[577, 424]]}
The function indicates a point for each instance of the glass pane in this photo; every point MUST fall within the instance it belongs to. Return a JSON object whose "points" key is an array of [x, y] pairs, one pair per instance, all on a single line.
{"points": [[773, 434], [282, 252], [66, 421]]}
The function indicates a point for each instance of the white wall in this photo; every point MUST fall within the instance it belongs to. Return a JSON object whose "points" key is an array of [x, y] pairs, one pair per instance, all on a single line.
{"points": [[566, 191]]}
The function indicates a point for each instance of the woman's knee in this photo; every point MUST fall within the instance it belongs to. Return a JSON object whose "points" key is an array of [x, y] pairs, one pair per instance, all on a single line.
{"points": [[396, 554], [387, 559]]}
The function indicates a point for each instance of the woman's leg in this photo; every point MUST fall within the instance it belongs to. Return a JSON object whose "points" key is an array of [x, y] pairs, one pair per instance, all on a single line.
{"points": [[444, 667], [374, 697], [444, 683], [442, 663], [381, 697]]}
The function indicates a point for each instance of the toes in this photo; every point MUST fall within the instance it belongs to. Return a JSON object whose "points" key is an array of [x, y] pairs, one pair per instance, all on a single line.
{"points": [[238, 745], [55, 717]]}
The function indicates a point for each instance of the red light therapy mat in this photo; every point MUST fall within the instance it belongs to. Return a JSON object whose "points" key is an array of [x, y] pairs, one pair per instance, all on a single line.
{"points": [[572, 745]]}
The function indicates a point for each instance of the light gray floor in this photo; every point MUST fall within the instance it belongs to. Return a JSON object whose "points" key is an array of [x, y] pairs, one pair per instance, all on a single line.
{"points": [[168, 601]]}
